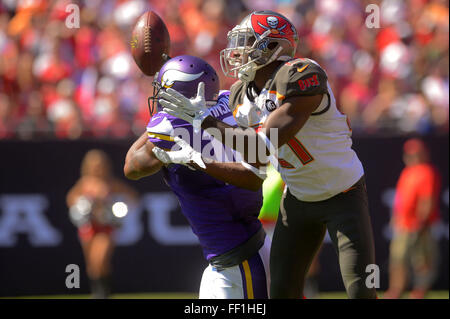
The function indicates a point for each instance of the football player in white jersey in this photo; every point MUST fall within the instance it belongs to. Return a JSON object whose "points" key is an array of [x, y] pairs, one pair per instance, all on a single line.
{"points": [[290, 104]]}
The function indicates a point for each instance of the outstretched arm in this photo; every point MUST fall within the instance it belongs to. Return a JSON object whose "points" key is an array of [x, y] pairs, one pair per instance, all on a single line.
{"points": [[239, 174], [140, 160], [235, 174], [288, 119]]}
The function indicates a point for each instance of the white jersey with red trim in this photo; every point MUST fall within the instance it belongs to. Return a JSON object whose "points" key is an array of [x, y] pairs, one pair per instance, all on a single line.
{"points": [[318, 162]]}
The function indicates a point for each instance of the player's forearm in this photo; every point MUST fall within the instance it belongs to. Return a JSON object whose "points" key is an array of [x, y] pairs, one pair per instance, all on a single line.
{"points": [[211, 123], [233, 173], [254, 147], [279, 127], [245, 141], [139, 161], [136, 145], [140, 165]]}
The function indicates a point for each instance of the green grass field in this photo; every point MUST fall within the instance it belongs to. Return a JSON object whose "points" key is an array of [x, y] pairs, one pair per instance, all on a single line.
{"points": [[444, 294]]}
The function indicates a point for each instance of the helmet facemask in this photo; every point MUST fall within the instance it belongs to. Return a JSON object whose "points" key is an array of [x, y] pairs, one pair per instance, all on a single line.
{"points": [[239, 48], [247, 52], [152, 101]]}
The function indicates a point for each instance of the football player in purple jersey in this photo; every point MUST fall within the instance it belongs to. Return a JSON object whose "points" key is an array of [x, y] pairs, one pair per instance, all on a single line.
{"points": [[221, 197]]}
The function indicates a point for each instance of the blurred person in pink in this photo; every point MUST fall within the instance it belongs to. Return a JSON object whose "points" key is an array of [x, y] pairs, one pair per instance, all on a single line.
{"points": [[416, 209], [91, 201]]}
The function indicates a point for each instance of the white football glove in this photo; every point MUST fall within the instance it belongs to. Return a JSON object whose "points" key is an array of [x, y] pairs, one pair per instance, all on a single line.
{"points": [[192, 110], [185, 156]]}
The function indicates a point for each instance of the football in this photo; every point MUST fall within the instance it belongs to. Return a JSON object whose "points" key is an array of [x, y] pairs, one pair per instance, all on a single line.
{"points": [[150, 43]]}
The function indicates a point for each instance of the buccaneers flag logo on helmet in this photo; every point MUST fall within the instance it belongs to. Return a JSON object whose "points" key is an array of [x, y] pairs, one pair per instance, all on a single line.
{"points": [[279, 27]]}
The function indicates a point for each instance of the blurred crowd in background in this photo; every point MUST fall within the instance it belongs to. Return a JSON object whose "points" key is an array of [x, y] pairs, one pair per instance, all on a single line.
{"points": [[81, 82]]}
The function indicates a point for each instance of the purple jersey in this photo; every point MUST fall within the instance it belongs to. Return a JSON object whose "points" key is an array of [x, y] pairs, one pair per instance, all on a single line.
{"points": [[223, 216]]}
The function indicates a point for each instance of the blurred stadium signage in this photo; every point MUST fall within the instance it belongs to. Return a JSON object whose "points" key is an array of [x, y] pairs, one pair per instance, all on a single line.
{"points": [[156, 249], [25, 215]]}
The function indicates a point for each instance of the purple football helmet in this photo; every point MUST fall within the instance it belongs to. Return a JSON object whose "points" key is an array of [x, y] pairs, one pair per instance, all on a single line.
{"points": [[183, 74]]}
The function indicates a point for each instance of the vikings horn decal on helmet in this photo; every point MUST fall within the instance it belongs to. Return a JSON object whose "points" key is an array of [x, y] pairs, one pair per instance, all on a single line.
{"points": [[169, 77], [183, 74], [261, 38]]}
